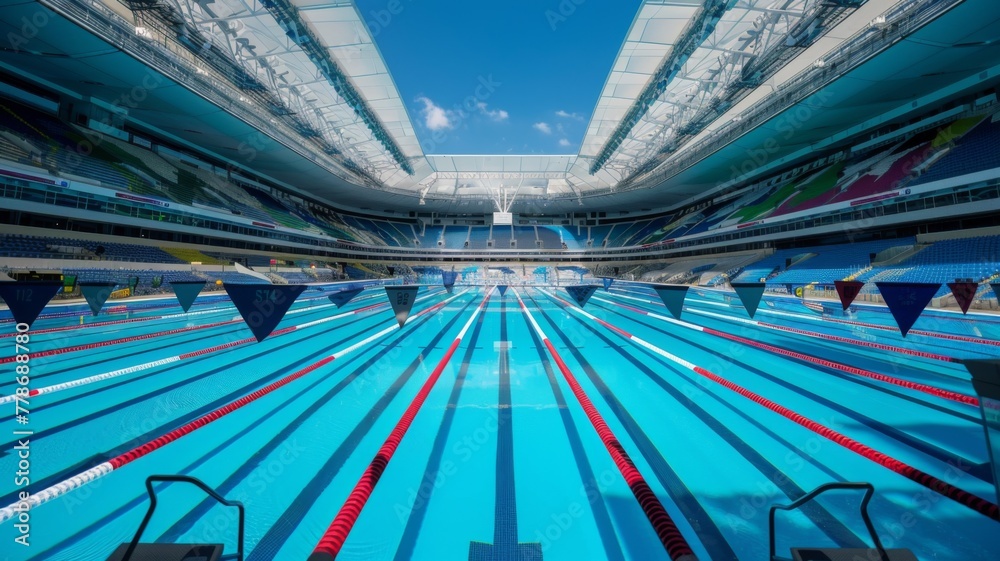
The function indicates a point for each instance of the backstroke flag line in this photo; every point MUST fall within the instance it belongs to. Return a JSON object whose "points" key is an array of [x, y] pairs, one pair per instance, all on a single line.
{"points": [[581, 293], [964, 293], [750, 294], [263, 305], [848, 291], [186, 292], [341, 297], [401, 298], [673, 297], [97, 293], [906, 300], [26, 299]]}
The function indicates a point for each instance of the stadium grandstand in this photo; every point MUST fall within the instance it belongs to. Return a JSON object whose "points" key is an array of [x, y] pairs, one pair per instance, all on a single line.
{"points": [[305, 280]]}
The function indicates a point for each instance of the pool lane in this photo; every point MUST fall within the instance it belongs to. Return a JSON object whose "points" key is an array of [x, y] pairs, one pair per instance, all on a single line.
{"points": [[951, 438], [174, 396], [501, 457], [235, 442], [738, 366]]}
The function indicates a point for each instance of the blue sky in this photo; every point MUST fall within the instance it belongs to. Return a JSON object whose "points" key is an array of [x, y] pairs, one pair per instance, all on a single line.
{"points": [[499, 76]]}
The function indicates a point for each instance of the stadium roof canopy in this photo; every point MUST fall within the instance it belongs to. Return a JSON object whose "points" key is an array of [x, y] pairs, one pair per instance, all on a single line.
{"points": [[697, 89]]}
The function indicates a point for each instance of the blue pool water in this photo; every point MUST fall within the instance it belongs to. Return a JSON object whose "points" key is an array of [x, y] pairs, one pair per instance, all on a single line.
{"points": [[501, 453]]}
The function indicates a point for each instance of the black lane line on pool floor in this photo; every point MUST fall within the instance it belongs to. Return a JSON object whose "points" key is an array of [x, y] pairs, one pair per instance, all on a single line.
{"points": [[125, 379], [934, 344], [164, 368], [414, 522], [926, 370], [696, 515], [593, 492], [978, 470], [101, 355], [276, 536], [842, 535], [101, 457], [176, 530], [505, 545], [179, 422], [843, 356]]}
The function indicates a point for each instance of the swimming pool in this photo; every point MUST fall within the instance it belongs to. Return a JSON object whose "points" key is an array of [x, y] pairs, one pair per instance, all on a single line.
{"points": [[502, 459]]}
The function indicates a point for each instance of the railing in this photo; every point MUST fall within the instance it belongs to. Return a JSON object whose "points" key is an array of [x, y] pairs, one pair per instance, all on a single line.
{"points": [[160, 219], [183, 479], [869, 491]]}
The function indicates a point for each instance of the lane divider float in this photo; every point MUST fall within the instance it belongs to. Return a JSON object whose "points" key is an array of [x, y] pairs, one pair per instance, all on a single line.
{"points": [[336, 534], [880, 327], [670, 536], [925, 388], [147, 336], [965, 498], [59, 489], [803, 332], [183, 356]]}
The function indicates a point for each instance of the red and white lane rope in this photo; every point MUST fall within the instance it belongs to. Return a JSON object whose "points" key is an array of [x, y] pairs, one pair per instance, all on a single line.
{"points": [[925, 388], [333, 539], [183, 356], [957, 494], [803, 332], [670, 536], [57, 490]]}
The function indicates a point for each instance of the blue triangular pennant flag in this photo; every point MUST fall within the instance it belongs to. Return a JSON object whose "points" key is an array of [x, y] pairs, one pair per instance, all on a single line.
{"points": [[673, 297], [750, 294], [262, 306], [502, 288], [341, 297], [401, 298], [964, 293], [186, 292], [906, 300], [96, 293], [581, 293], [448, 279], [608, 281], [26, 299], [848, 291]]}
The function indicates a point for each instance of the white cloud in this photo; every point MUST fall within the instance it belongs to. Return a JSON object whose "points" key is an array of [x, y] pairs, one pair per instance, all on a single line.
{"points": [[563, 142], [435, 117], [565, 115], [543, 128], [497, 115]]}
